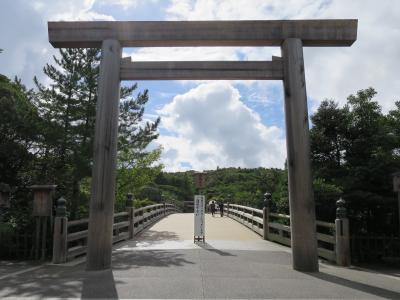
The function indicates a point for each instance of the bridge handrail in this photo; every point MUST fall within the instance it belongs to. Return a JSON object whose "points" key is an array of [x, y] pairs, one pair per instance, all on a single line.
{"points": [[279, 232], [126, 224]]}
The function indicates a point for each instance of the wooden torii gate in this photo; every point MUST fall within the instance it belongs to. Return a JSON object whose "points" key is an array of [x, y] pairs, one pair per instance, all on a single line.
{"points": [[290, 35]]}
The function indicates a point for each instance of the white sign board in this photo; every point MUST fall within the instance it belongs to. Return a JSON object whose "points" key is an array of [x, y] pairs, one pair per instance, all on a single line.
{"points": [[199, 213]]}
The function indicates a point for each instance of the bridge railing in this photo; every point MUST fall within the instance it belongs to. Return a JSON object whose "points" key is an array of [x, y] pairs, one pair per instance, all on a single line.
{"points": [[276, 227], [70, 237], [248, 216]]}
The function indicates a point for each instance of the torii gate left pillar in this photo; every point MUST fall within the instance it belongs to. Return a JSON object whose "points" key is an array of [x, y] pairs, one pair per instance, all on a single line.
{"points": [[105, 159]]}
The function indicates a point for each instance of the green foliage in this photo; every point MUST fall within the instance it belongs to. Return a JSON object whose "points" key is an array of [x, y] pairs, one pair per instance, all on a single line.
{"points": [[355, 149], [68, 106], [46, 136], [136, 166], [176, 186], [138, 203], [19, 127], [135, 172], [326, 194], [20, 140], [244, 186], [233, 185], [280, 197]]}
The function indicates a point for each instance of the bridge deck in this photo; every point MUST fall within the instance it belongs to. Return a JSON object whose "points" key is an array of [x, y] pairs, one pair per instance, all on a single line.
{"points": [[164, 263]]}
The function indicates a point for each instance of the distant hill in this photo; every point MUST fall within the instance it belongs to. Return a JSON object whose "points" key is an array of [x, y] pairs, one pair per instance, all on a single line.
{"points": [[234, 185]]}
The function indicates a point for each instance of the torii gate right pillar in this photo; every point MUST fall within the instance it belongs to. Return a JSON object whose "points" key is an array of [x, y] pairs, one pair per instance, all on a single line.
{"points": [[301, 196]]}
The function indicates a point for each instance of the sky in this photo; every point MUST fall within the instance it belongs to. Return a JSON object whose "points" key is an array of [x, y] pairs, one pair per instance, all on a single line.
{"points": [[210, 124]]}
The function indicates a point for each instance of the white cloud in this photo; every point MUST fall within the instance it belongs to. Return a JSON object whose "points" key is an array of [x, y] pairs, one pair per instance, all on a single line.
{"points": [[125, 4], [331, 72], [24, 33], [242, 9], [371, 61], [211, 127]]}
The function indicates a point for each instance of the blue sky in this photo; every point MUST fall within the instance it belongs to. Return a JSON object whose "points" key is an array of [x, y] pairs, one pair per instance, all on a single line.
{"points": [[206, 124], [271, 111]]}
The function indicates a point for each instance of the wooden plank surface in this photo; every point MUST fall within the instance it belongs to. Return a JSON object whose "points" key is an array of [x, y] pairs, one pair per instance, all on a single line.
{"points": [[301, 195], [87, 34], [199, 70], [101, 216]]}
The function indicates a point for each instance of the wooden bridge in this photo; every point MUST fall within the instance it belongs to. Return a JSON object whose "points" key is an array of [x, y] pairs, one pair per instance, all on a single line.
{"points": [[161, 261]]}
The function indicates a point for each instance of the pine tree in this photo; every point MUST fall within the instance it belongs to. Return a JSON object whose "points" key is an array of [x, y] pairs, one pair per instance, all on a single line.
{"points": [[68, 105]]}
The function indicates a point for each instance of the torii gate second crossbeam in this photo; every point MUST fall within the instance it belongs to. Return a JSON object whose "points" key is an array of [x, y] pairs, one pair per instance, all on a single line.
{"points": [[290, 35]]}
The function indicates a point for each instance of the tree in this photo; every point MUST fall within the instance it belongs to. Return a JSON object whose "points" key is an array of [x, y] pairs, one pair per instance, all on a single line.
{"points": [[329, 139], [136, 172], [19, 131], [20, 139], [68, 105], [393, 124], [136, 166], [354, 151], [369, 153]]}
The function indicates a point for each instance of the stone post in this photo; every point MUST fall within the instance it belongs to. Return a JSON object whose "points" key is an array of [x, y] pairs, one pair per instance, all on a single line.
{"points": [[301, 196], [101, 215], [267, 199], [165, 209], [60, 234], [342, 234], [131, 215]]}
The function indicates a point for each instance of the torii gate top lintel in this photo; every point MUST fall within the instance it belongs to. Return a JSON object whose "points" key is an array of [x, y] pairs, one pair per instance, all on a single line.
{"points": [[90, 34]]}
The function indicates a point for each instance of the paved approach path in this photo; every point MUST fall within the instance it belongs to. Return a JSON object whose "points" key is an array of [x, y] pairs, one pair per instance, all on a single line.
{"points": [[163, 263]]}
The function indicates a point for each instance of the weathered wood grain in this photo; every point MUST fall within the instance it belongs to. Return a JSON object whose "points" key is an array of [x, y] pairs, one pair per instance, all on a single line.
{"points": [[202, 33], [301, 196], [201, 70], [101, 215]]}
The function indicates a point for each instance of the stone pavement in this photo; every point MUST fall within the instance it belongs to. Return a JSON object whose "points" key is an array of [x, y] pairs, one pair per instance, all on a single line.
{"points": [[164, 263]]}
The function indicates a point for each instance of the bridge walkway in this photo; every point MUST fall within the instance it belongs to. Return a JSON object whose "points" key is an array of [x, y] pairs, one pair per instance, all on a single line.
{"points": [[164, 263]]}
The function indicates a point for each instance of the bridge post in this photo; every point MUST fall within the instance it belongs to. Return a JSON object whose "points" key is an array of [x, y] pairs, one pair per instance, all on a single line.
{"points": [[252, 219], [267, 198], [101, 214], [131, 215], [343, 256], [301, 196], [60, 233]]}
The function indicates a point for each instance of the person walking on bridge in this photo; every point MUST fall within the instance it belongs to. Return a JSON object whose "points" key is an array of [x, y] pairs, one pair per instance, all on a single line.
{"points": [[212, 208], [221, 208]]}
